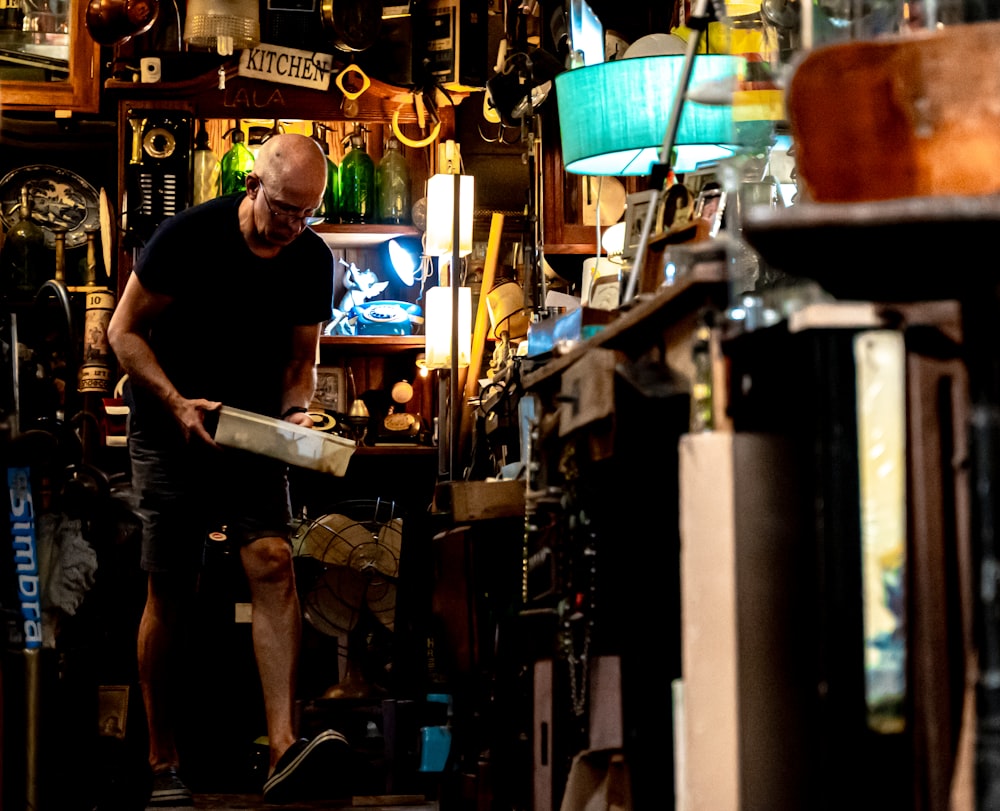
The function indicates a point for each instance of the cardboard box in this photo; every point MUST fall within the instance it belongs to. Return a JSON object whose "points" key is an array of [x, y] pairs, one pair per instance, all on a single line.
{"points": [[476, 501]]}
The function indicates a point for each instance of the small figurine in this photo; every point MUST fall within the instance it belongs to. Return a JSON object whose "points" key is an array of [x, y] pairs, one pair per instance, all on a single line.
{"points": [[361, 285]]}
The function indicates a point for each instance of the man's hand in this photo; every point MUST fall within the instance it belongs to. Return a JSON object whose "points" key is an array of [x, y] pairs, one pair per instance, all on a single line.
{"points": [[190, 415], [300, 418]]}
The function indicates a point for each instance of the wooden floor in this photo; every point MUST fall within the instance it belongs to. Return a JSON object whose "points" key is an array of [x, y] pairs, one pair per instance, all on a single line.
{"points": [[252, 802]]}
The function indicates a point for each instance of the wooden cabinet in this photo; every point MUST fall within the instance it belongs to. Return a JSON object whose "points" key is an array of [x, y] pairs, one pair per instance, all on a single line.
{"points": [[612, 406], [563, 197], [221, 97], [55, 68], [376, 362]]}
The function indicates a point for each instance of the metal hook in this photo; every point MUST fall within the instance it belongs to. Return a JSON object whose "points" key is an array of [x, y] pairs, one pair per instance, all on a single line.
{"points": [[499, 139], [482, 134], [517, 134]]}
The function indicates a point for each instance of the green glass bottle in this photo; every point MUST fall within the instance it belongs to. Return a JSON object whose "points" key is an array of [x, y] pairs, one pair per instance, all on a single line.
{"points": [[357, 181], [392, 186], [237, 163], [25, 259], [331, 197]]}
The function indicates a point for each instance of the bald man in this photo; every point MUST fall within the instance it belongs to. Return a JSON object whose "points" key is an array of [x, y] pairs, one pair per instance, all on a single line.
{"points": [[225, 305]]}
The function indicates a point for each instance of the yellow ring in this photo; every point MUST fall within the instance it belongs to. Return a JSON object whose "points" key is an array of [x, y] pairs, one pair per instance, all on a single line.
{"points": [[430, 139], [365, 84]]}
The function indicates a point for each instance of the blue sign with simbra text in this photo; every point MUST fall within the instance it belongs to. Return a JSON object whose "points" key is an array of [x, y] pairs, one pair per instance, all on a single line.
{"points": [[22, 530]]}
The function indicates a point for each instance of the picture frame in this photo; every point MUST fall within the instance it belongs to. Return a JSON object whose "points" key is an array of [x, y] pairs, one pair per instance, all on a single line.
{"points": [[636, 211], [112, 710], [710, 207], [331, 389]]}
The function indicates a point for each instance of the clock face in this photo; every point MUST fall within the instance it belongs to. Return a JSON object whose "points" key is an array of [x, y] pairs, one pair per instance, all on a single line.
{"points": [[399, 422]]}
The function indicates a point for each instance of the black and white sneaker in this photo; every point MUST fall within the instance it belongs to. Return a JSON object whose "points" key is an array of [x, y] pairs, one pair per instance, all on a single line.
{"points": [[169, 792], [309, 769]]}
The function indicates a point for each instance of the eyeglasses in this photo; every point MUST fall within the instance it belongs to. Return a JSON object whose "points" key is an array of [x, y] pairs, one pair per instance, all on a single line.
{"points": [[286, 216]]}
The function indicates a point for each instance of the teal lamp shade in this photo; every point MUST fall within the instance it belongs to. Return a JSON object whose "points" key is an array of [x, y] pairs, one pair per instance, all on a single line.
{"points": [[613, 116]]}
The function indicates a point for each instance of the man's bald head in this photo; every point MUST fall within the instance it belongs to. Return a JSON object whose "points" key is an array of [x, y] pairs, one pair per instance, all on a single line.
{"points": [[291, 166]]}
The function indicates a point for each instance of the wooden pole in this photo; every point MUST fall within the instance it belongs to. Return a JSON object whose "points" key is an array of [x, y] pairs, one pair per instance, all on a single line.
{"points": [[481, 327]]}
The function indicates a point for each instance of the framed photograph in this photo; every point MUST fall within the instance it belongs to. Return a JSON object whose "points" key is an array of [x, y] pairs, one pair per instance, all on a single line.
{"points": [[636, 211], [112, 710], [331, 389], [710, 206]]}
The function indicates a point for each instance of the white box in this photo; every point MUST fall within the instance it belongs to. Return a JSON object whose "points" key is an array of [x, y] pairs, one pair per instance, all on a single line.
{"points": [[291, 443], [744, 573]]}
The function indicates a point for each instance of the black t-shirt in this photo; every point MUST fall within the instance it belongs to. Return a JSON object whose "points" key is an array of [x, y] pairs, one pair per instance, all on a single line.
{"points": [[226, 335]]}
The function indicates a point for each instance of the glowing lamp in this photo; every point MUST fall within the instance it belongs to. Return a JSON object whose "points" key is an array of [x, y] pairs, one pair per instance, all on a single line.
{"points": [[612, 116], [441, 330], [438, 327], [441, 190]]}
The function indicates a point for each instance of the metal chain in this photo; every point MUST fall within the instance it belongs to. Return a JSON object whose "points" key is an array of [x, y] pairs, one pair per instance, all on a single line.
{"points": [[577, 684], [571, 615]]}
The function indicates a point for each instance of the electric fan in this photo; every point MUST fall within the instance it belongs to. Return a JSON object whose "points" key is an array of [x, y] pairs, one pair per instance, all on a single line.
{"points": [[351, 592]]}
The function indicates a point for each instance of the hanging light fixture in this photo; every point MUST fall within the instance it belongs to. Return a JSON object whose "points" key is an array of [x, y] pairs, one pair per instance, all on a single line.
{"points": [[226, 25], [612, 116]]}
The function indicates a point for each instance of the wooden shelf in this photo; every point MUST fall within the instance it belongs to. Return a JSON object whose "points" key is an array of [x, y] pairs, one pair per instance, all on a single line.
{"points": [[245, 97], [362, 236], [649, 314], [398, 449], [373, 344]]}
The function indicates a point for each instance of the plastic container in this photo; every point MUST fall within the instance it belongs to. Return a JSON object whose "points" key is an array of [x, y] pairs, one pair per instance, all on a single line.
{"points": [[291, 443]]}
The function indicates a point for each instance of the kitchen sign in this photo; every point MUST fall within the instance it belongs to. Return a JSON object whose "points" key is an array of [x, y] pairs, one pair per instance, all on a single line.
{"points": [[273, 63]]}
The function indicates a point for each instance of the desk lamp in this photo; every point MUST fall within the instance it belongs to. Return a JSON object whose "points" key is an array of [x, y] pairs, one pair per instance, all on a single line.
{"points": [[411, 267], [405, 262]]}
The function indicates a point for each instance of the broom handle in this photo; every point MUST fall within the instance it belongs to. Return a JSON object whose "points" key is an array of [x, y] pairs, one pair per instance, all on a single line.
{"points": [[482, 323]]}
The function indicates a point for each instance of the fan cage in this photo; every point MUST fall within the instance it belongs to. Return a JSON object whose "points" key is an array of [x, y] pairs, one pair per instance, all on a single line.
{"points": [[353, 556]]}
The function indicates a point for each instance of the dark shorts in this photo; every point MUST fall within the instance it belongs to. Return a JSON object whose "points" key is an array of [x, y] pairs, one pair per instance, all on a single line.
{"points": [[186, 491]]}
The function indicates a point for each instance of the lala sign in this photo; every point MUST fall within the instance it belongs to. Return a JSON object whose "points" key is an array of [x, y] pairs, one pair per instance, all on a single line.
{"points": [[287, 65]]}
